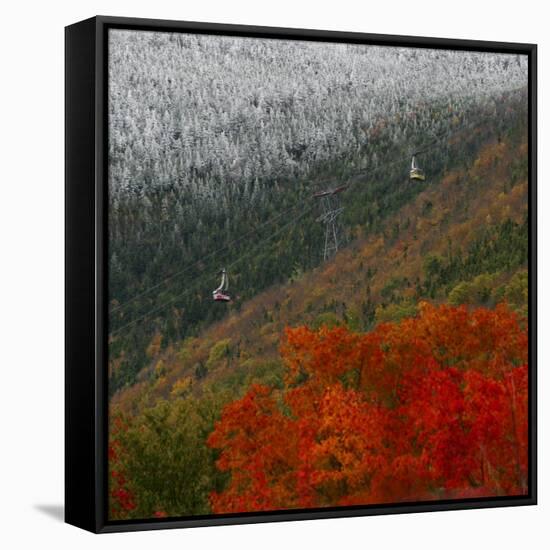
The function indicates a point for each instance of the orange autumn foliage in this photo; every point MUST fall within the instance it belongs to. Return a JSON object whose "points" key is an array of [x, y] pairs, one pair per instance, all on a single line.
{"points": [[432, 407]]}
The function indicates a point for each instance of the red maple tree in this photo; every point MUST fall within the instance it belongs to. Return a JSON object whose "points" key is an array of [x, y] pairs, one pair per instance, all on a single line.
{"points": [[432, 407], [121, 498]]}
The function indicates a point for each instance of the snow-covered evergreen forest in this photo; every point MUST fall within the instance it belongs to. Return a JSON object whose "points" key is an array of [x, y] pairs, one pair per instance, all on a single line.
{"points": [[217, 113], [210, 136]]}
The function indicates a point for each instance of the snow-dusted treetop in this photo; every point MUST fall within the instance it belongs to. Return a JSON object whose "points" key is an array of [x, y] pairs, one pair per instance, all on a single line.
{"points": [[209, 110]]}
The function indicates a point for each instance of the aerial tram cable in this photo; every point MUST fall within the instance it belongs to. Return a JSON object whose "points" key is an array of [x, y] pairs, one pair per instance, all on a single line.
{"points": [[440, 140], [369, 171], [209, 255], [200, 282]]}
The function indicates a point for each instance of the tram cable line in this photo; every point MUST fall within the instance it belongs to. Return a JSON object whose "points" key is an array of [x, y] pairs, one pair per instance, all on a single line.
{"points": [[439, 141], [330, 198], [366, 171], [200, 282], [201, 260]]}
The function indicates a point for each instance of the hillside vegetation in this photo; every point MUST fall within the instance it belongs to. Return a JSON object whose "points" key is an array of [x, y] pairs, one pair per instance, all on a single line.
{"points": [[217, 143], [433, 294], [462, 240]]}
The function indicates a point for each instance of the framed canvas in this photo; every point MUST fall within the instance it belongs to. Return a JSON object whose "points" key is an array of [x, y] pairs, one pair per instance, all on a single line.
{"points": [[300, 274]]}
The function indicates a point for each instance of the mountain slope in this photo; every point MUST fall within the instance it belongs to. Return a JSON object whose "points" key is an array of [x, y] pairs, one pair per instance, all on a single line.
{"points": [[212, 137], [462, 239]]}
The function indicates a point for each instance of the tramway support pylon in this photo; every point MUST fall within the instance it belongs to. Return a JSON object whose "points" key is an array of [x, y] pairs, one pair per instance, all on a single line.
{"points": [[330, 203]]}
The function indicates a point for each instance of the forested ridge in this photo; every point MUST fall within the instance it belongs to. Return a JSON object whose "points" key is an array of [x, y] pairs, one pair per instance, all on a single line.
{"points": [[226, 160], [395, 371], [462, 241]]}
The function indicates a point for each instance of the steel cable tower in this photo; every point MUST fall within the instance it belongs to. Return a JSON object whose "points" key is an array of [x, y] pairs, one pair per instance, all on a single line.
{"points": [[330, 203]]}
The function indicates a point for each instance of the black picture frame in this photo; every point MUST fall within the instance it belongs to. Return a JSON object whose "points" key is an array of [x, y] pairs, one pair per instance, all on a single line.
{"points": [[86, 396]]}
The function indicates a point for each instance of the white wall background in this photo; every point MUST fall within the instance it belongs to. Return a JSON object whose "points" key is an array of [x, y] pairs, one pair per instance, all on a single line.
{"points": [[31, 272]]}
